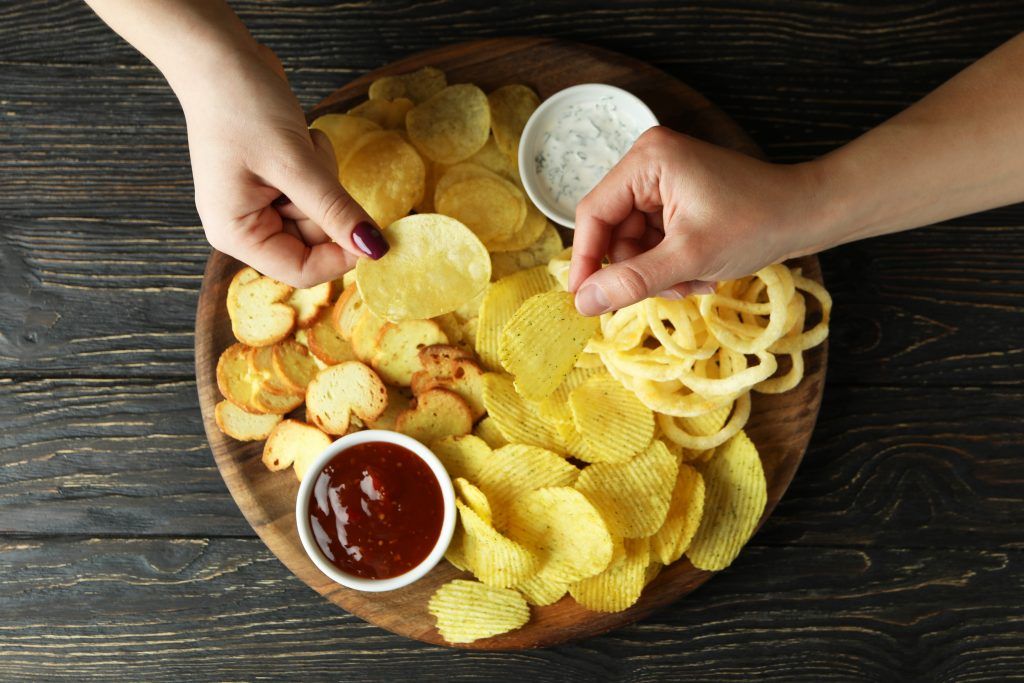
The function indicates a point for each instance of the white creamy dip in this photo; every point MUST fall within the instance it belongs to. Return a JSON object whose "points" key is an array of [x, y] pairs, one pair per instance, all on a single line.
{"points": [[580, 146]]}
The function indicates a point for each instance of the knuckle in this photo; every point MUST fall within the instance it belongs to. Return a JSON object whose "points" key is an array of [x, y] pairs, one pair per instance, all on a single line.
{"points": [[632, 281], [334, 206]]}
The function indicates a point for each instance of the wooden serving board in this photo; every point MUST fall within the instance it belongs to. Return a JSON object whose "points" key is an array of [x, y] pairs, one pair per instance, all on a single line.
{"points": [[780, 425]]}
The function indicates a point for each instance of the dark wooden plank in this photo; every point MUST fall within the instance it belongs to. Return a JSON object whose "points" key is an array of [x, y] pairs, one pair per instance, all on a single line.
{"points": [[206, 608]]}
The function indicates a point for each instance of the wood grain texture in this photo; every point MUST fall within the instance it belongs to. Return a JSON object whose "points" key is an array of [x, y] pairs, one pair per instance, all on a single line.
{"points": [[780, 425]]}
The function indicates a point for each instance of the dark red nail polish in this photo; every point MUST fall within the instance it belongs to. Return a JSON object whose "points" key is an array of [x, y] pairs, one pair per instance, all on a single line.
{"points": [[281, 201], [370, 240]]}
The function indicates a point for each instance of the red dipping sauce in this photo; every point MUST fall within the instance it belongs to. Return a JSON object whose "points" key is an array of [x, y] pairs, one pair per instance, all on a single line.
{"points": [[376, 510]]}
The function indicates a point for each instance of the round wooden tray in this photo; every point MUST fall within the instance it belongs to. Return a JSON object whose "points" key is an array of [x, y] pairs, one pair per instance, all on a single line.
{"points": [[780, 425]]}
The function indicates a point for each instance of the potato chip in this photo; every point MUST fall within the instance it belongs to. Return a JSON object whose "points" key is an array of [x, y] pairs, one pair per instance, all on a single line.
{"points": [[417, 85], [564, 530], [542, 250], [493, 159], [388, 114], [734, 499], [526, 350], [468, 611], [517, 420], [516, 469], [458, 173], [434, 415], [493, 558], [612, 422], [633, 497], [487, 430], [618, 587], [555, 408], [473, 498], [435, 265], [511, 106], [385, 175], [501, 301], [463, 457], [684, 514], [529, 231], [452, 124], [494, 209], [344, 131], [434, 173], [456, 549], [543, 589], [396, 356]]}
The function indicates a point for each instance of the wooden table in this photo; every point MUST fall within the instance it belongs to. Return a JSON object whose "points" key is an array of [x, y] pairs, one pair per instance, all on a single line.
{"points": [[896, 554]]}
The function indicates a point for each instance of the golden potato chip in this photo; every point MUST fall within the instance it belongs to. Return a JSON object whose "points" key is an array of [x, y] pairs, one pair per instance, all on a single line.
{"points": [[529, 231], [612, 422], [555, 408], [417, 85], [326, 344], [241, 424], [467, 611], [493, 558], [543, 589], [619, 586], [434, 415], [364, 334], [487, 430], [396, 356], [516, 419], [456, 549], [496, 161], [458, 173], [653, 569], [564, 530], [494, 209], [344, 131], [473, 498], [542, 250], [684, 513], [435, 265], [501, 301], [434, 173], [526, 350], [452, 124], [633, 496], [511, 106], [388, 114], [734, 499], [517, 469], [309, 302], [463, 457], [385, 175]]}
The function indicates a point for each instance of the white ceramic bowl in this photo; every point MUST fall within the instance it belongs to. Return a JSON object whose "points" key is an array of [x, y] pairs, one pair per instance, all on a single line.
{"points": [[306, 533], [532, 140]]}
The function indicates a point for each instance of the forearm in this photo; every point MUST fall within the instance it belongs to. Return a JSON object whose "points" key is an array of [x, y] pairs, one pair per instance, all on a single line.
{"points": [[955, 152]]}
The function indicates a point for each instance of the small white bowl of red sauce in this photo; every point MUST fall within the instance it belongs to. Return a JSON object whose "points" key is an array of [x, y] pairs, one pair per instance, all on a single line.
{"points": [[376, 510]]}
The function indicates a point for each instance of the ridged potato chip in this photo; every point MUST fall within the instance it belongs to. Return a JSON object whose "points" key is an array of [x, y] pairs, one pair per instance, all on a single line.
{"points": [[417, 86], [344, 131], [473, 498], [633, 497], [435, 265], [734, 499], [463, 457], [543, 589], [493, 558], [451, 125], [612, 422], [493, 208], [468, 611], [555, 408], [517, 469], [501, 301], [516, 419], [618, 587], [385, 175], [526, 350], [487, 430], [511, 106], [684, 514], [542, 250]]}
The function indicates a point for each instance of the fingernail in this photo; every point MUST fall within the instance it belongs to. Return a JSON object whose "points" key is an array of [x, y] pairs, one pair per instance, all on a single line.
{"points": [[370, 240], [591, 300], [670, 294], [281, 201], [704, 288]]}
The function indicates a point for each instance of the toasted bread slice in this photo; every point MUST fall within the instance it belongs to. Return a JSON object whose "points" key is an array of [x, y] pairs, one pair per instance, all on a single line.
{"points": [[235, 378], [398, 400], [242, 425], [309, 302], [396, 357], [365, 333], [326, 344], [293, 364], [435, 414], [346, 311], [292, 441], [261, 364], [437, 359], [341, 390], [462, 376], [258, 316]]}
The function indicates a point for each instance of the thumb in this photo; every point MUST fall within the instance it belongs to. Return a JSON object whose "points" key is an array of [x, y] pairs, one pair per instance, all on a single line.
{"points": [[632, 280], [313, 188]]}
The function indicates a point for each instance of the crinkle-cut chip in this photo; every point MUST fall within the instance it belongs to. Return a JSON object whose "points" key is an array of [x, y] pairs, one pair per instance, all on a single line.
{"points": [[293, 442], [493, 208], [473, 498], [451, 125], [529, 232], [735, 494], [364, 334], [517, 469], [612, 422], [653, 569], [516, 419], [261, 366], [434, 415], [632, 496], [487, 430], [347, 310], [293, 365], [493, 159], [235, 378], [343, 389], [468, 611], [511, 106], [555, 408], [526, 349], [385, 175], [542, 589], [435, 265], [398, 401], [708, 423], [388, 114], [309, 302], [326, 344], [456, 550], [344, 131], [463, 376], [684, 512], [243, 425], [396, 356], [258, 315], [417, 85], [463, 457], [565, 531], [501, 301], [539, 253], [619, 586], [493, 558]]}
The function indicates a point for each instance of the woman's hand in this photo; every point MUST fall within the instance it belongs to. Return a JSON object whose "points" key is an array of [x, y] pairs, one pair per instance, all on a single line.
{"points": [[676, 215]]}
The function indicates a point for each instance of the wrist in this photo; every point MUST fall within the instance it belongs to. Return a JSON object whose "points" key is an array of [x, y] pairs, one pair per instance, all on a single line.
{"points": [[826, 212]]}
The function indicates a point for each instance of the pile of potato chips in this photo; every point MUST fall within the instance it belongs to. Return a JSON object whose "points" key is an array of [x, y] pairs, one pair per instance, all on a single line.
{"points": [[586, 453]]}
